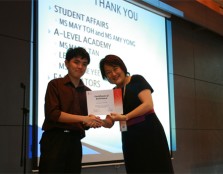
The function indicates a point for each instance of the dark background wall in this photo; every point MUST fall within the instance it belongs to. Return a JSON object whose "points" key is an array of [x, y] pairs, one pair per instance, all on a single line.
{"points": [[15, 19], [198, 83], [198, 77]]}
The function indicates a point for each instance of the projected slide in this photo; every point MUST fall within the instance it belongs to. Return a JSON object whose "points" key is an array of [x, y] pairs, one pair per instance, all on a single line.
{"points": [[103, 27]]}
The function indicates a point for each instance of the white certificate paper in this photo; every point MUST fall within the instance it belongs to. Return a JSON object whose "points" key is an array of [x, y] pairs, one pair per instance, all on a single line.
{"points": [[103, 102]]}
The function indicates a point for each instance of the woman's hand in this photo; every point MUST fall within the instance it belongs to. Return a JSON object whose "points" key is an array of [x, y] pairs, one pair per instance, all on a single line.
{"points": [[118, 117], [108, 122]]}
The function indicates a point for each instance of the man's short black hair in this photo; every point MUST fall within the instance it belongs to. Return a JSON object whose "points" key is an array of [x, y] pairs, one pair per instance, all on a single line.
{"points": [[77, 52]]}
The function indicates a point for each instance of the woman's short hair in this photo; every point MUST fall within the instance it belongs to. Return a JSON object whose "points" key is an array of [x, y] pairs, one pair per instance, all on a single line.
{"points": [[112, 60]]}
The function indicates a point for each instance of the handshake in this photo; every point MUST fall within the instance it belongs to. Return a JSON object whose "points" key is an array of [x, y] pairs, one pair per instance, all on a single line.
{"points": [[96, 122]]}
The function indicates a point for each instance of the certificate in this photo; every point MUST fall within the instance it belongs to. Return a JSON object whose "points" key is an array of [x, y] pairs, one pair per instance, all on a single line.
{"points": [[103, 102]]}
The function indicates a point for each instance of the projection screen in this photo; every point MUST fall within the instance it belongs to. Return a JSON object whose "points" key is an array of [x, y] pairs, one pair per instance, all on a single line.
{"points": [[103, 27]]}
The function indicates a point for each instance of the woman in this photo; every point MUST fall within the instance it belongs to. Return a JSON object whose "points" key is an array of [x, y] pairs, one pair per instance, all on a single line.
{"points": [[144, 143]]}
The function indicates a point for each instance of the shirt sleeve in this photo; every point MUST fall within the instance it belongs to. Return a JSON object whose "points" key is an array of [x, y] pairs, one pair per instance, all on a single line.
{"points": [[52, 106], [141, 84]]}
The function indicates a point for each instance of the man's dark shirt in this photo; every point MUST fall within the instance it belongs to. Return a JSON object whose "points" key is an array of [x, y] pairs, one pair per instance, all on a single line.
{"points": [[61, 95]]}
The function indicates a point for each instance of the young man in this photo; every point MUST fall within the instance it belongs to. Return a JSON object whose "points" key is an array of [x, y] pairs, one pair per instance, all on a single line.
{"points": [[66, 117]]}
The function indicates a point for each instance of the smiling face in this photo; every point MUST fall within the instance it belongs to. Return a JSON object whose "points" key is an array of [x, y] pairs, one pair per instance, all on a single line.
{"points": [[115, 75], [114, 70], [76, 67]]}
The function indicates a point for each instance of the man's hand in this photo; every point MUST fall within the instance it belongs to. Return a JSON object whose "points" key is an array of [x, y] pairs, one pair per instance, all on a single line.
{"points": [[93, 121]]}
